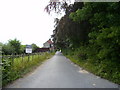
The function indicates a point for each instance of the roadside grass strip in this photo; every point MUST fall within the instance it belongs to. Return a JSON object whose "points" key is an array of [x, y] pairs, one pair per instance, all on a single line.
{"points": [[16, 66]]}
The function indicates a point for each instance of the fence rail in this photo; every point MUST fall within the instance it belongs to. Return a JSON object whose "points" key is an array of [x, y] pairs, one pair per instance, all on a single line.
{"points": [[22, 56], [13, 65]]}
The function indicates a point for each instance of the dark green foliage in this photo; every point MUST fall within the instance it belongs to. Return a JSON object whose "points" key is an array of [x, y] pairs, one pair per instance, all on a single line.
{"points": [[92, 35], [34, 47], [104, 68], [22, 49], [15, 44], [12, 47], [67, 33], [7, 49]]}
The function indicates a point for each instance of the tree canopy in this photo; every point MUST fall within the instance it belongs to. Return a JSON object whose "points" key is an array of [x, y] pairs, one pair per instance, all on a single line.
{"points": [[92, 30], [15, 47]]}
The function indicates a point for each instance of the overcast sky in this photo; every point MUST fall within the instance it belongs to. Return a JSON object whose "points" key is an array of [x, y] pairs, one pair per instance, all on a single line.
{"points": [[25, 20]]}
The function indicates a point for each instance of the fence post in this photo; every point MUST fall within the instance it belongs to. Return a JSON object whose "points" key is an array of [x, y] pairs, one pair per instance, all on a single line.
{"points": [[28, 57], [12, 59], [22, 57], [25, 59], [32, 56], [38, 55]]}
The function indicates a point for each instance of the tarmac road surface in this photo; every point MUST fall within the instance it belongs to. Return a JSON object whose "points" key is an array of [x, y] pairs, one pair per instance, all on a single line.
{"points": [[60, 72]]}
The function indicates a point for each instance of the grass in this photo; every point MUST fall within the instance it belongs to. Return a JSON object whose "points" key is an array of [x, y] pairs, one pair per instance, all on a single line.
{"points": [[21, 66], [105, 69]]}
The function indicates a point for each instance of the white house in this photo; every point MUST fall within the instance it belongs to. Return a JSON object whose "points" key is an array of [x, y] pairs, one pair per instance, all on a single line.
{"points": [[48, 44]]}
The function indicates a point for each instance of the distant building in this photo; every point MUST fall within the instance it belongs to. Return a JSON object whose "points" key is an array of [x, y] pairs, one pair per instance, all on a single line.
{"points": [[47, 46], [42, 50]]}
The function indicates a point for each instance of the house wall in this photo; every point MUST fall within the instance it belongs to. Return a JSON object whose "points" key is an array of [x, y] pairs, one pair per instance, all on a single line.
{"points": [[46, 45]]}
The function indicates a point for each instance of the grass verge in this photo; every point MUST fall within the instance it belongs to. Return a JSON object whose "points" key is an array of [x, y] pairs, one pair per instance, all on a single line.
{"points": [[21, 66], [105, 69]]}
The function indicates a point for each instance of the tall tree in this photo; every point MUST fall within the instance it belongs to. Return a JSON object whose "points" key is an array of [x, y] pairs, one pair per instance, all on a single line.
{"points": [[34, 47], [16, 45]]}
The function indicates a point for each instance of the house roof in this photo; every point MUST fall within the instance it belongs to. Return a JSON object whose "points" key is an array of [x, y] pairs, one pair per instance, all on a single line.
{"points": [[49, 41]]}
